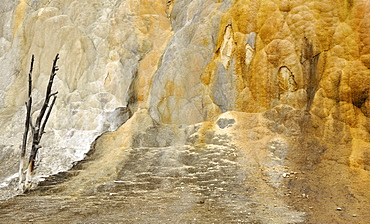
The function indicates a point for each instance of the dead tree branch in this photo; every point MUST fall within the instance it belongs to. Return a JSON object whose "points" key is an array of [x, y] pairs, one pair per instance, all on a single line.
{"points": [[47, 116], [39, 126], [27, 123]]}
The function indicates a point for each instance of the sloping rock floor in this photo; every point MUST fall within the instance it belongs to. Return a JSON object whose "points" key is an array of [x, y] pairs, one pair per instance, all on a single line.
{"points": [[159, 185]]}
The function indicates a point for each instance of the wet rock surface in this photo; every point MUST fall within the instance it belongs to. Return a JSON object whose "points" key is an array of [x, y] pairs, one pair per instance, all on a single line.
{"points": [[236, 169], [159, 185]]}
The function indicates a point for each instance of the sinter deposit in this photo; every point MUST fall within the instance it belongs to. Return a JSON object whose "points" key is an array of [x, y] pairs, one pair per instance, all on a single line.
{"points": [[189, 111]]}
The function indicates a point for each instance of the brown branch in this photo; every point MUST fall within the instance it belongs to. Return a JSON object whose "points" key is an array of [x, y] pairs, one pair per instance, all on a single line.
{"points": [[31, 162], [35, 145]]}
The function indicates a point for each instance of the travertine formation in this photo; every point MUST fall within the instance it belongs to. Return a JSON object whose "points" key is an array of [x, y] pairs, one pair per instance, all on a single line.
{"points": [[292, 75]]}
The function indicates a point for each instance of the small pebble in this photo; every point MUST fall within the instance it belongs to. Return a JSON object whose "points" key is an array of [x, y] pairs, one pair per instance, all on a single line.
{"points": [[339, 209]]}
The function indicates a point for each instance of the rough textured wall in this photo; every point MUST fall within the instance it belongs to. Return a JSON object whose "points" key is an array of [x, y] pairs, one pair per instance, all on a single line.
{"points": [[301, 67], [104, 47]]}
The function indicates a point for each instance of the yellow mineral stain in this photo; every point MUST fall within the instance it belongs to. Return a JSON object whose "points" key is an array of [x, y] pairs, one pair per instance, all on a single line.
{"points": [[208, 73], [151, 24], [173, 89], [19, 15], [207, 126]]}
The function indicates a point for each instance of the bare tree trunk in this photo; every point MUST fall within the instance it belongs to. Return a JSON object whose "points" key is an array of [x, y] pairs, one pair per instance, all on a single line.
{"points": [[26, 128], [37, 128]]}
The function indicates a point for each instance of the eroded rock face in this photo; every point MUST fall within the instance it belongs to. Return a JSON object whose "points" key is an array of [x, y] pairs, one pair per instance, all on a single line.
{"points": [[105, 46], [286, 81]]}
